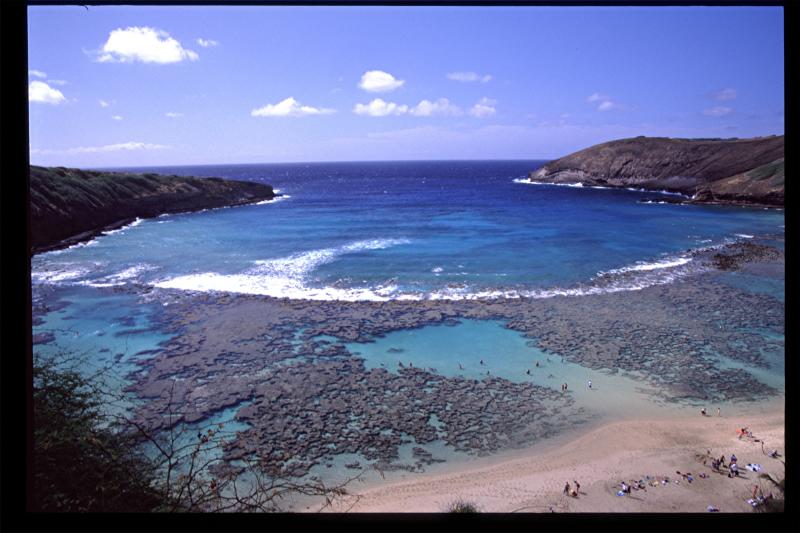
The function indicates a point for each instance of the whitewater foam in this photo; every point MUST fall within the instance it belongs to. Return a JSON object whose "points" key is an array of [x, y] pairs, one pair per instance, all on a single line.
{"points": [[274, 200], [124, 228], [120, 278], [526, 181], [644, 267], [286, 278]]}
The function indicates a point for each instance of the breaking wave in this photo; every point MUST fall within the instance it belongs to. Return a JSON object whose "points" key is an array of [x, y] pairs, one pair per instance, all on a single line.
{"points": [[289, 278], [526, 181]]}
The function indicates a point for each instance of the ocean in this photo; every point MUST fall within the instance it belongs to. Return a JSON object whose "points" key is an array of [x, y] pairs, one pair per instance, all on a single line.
{"points": [[405, 230], [352, 237]]}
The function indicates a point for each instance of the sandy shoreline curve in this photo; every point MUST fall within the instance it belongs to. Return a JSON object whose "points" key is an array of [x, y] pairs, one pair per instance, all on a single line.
{"points": [[599, 460]]}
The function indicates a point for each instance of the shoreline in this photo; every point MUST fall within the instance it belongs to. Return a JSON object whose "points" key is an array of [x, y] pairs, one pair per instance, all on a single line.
{"points": [[599, 459], [91, 234], [688, 198]]}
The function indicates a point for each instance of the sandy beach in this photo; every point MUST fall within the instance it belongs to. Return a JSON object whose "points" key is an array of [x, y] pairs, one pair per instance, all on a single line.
{"points": [[599, 460]]}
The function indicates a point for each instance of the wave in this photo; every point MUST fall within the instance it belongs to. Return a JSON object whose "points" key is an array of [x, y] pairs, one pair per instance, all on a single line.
{"points": [[274, 200], [641, 266], [75, 246], [67, 273], [287, 278], [526, 181], [120, 278], [92, 242], [124, 228]]}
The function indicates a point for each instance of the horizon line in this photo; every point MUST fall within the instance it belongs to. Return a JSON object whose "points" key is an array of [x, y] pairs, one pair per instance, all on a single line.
{"points": [[292, 163]]}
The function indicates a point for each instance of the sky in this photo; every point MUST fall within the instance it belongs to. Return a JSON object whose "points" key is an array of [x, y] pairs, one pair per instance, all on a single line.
{"points": [[183, 85]]}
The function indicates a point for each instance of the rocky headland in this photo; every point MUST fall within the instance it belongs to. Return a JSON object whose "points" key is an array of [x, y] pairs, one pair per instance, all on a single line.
{"points": [[70, 205], [716, 171]]}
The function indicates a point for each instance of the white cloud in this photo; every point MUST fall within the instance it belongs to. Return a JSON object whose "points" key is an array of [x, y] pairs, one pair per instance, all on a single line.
{"points": [[607, 105], [718, 111], [128, 146], [37, 73], [468, 76], [378, 81], [606, 102], [379, 108], [442, 106], [596, 97], [172, 114], [484, 108], [39, 91], [103, 103], [117, 117], [148, 45], [289, 108], [205, 43], [724, 94]]}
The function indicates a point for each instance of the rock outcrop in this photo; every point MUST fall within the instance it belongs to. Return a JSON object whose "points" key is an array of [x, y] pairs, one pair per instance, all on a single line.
{"points": [[71, 205], [731, 171]]}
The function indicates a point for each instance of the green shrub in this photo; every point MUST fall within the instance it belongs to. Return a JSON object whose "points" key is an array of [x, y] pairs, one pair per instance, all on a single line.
{"points": [[462, 506]]}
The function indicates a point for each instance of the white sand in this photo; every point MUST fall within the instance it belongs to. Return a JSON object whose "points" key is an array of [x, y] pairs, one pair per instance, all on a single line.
{"points": [[599, 460]]}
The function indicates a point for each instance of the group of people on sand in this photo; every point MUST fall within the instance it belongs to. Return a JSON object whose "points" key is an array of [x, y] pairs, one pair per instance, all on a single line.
{"points": [[718, 464], [704, 413], [570, 491]]}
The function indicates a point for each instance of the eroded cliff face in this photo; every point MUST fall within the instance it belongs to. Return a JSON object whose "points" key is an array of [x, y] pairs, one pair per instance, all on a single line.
{"points": [[747, 171], [70, 205]]}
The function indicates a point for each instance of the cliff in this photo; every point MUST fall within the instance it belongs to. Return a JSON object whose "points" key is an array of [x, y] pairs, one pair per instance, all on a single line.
{"points": [[737, 171], [71, 205]]}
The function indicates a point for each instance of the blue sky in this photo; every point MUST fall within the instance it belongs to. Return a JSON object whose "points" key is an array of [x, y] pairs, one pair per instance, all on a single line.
{"points": [[161, 85]]}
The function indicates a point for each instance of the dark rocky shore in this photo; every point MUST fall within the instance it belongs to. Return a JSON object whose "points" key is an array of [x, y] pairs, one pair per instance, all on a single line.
{"points": [[307, 399], [70, 205], [747, 172]]}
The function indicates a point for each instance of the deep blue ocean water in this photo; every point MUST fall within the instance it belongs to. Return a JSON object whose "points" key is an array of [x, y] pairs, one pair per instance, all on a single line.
{"points": [[441, 229]]}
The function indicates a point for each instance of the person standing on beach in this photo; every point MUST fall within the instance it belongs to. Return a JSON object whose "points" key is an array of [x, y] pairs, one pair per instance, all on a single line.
{"points": [[590, 383], [577, 486], [566, 488], [718, 412]]}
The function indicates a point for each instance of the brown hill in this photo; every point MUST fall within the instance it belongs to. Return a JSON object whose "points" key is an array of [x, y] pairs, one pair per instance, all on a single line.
{"points": [[70, 205], [742, 171]]}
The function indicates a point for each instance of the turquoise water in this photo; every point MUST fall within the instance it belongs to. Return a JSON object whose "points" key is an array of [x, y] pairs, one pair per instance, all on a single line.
{"points": [[457, 350], [110, 334]]}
